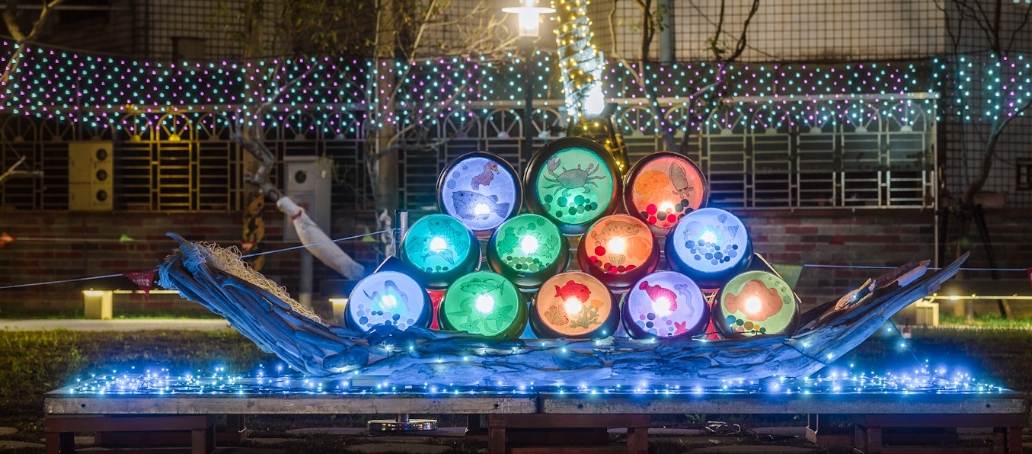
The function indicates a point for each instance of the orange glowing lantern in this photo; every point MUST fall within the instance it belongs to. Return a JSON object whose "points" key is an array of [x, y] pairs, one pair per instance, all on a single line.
{"points": [[755, 303], [574, 305], [618, 250], [662, 188]]}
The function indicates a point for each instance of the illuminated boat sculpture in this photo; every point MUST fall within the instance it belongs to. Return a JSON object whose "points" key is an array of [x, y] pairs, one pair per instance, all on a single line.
{"points": [[259, 308]]}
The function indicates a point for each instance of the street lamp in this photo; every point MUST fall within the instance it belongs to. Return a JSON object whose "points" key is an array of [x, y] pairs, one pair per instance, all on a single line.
{"points": [[529, 18]]}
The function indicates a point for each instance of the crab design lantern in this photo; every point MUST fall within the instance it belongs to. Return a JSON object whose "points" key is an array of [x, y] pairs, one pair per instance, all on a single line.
{"points": [[662, 188], [484, 303], [573, 182], [618, 250], [481, 190], [387, 298], [574, 305], [439, 249], [665, 304], [709, 245], [755, 303], [528, 249]]}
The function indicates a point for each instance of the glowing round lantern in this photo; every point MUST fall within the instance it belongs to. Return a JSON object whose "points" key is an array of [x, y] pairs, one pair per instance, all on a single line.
{"points": [[528, 249], [662, 188], [440, 249], [665, 304], [484, 303], [618, 250], [574, 305], [481, 190], [573, 182], [388, 298], [710, 245], [754, 303]]}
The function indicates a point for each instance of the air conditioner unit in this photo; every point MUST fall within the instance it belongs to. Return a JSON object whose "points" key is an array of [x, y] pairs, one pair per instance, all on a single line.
{"points": [[90, 176]]}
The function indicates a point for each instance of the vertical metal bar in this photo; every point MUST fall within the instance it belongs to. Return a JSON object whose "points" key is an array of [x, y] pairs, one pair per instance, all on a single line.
{"points": [[527, 146], [401, 221]]}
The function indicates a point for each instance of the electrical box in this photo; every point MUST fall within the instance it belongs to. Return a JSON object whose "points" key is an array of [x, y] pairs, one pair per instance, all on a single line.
{"points": [[308, 185], [90, 176]]}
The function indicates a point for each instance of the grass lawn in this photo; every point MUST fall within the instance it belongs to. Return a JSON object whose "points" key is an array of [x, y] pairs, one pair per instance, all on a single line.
{"points": [[32, 363]]}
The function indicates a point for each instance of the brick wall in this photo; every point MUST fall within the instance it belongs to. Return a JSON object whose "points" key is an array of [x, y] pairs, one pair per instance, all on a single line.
{"points": [[834, 237]]}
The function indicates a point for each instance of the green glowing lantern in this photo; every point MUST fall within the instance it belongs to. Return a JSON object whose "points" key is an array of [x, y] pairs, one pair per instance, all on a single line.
{"points": [[755, 303], [439, 249], [573, 182], [484, 303], [528, 249]]}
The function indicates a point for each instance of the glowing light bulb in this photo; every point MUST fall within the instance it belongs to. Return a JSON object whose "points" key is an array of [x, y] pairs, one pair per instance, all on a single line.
{"points": [[753, 305], [617, 245], [528, 244], [661, 306], [438, 244], [481, 209], [485, 304], [389, 302], [573, 305], [709, 237], [666, 206]]}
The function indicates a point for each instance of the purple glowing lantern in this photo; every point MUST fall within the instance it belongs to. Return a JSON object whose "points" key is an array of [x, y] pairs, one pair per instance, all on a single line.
{"points": [[665, 304], [481, 190], [388, 298]]}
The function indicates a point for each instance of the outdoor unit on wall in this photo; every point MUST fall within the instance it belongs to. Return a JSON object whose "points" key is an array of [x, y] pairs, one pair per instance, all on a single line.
{"points": [[90, 176], [309, 187]]}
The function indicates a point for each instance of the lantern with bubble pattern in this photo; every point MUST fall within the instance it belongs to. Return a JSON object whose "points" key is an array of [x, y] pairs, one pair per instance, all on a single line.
{"points": [[528, 249], [439, 249], [665, 304], [618, 250], [755, 303], [574, 305], [481, 190], [662, 188], [573, 182], [484, 303], [388, 298], [709, 245]]}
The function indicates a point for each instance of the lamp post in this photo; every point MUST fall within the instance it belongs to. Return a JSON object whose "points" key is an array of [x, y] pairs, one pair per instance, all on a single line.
{"points": [[529, 18]]}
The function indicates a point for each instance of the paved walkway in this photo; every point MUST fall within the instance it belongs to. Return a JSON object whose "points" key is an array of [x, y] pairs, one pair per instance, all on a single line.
{"points": [[132, 324]]}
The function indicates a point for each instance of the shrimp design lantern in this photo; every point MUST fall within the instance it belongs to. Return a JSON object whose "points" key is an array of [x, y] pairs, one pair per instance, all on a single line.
{"points": [[439, 249], [662, 188], [387, 298], [484, 303], [753, 303], [481, 190], [528, 249], [665, 304], [709, 245], [618, 250], [573, 182], [574, 305]]}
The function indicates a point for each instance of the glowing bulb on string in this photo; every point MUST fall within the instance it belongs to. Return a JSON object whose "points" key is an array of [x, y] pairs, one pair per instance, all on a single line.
{"points": [[528, 244], [573, 305], [485, 304], [438, 244]]}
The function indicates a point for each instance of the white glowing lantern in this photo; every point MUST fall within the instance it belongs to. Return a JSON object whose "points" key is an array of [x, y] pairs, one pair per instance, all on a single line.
{"points": [[529, 17]]}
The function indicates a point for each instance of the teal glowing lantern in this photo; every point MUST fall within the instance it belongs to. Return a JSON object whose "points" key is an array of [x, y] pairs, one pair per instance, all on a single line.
{"points": [[484, 303], [481, 190], [573, 182], [387, 298], [662, 188], [665, 304], [528, 249], [439, 249], [709, 245], [755, 303], [618, 250], [574, 305]]}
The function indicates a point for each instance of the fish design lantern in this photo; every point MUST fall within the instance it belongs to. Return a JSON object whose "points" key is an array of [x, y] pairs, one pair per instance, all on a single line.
{"points": [[662, 188], [709, 245], [755, 303], [484, 303], [574, 305], [573, 182], [618, 250], [387, 298], [528, 249], [665, 304], [439, 249], [481, 190]]}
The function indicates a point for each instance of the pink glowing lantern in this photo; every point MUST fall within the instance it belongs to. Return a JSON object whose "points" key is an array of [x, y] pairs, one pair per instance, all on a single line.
{"points": [[618, 250], [662, 188], [665, 304], [755, 303], [574, 305]]}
